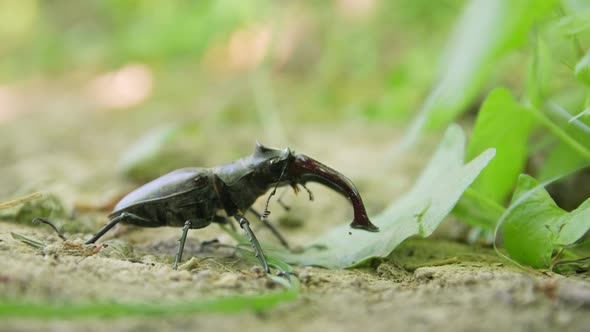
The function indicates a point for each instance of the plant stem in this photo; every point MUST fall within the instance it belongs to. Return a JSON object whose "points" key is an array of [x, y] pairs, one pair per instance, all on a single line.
{"points": [[560, 133]]}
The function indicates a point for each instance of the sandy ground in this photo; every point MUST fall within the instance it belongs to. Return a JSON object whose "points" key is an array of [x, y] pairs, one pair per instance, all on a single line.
{"points": [[434, 284]]}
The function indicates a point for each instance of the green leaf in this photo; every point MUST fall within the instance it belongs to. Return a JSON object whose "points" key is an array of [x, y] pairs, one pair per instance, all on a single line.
{"points": [[575, 23], [503, 124], [477, 210], [528, 228], [575, 226], [561, 159], [573, 149], [536, 226], [418, 212]]}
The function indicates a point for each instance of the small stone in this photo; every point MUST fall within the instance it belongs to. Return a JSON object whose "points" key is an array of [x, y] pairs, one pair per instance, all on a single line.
{"points": [[228, 280], [424, 273], [309, 278], [258, 271], [357, 283], [192, 264], [305, 275]]}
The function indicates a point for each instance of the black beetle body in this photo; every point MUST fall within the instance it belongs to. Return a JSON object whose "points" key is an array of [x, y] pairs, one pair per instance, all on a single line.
{"points": [[172, 199], [192, 197]]}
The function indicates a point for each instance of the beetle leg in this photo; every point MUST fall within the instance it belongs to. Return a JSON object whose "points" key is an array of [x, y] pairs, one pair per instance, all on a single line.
{"points": [[182, 240], [111, 224], [272, 228], [48, 222], [245, 225]]}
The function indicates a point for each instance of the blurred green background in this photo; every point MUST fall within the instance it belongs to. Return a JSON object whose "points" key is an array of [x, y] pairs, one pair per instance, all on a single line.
{"points": [[121, 69], [226, 60]]}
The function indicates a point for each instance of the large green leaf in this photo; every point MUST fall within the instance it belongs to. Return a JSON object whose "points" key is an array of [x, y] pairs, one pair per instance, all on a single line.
{"points": [[418, 212], [535, 227], [503, 124]]}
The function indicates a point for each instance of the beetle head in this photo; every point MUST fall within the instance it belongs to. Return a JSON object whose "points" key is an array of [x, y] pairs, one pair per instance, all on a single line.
{"points": [[302, 169], [267, 168], [265, 153], [263, 168], [282, 167], [270, 164]]}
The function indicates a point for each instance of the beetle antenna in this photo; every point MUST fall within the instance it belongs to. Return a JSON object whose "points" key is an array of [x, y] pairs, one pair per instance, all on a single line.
{"points": [[266, 211]]}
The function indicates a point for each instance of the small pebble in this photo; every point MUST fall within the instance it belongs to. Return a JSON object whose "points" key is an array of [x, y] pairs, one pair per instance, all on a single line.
{"points": [[258, 271], [227, 280], [192, 264]]}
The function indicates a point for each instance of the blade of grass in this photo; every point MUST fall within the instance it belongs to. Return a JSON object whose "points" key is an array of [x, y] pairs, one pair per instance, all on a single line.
{"points": [[11, 308], [33, 243], [20, 200]]}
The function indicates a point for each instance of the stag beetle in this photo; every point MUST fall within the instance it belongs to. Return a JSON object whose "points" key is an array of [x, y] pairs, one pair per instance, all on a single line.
{"points": [[192, 197]]}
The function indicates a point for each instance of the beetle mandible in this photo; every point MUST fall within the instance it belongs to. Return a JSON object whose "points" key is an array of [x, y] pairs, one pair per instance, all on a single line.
{"points": [[192, 197]]}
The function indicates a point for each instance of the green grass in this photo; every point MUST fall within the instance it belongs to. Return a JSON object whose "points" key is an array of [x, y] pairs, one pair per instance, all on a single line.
{"points": [[11, 308]]}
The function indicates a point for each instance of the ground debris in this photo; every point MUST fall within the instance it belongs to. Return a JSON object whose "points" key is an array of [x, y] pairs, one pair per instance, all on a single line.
{"points": [[308, 277], [191, 264], [228, 280], [393, 272]]}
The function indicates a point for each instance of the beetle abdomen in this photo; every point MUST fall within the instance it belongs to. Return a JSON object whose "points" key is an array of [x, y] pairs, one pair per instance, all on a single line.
{"points": [[167, 186], [172, 199], [199, 207]]}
